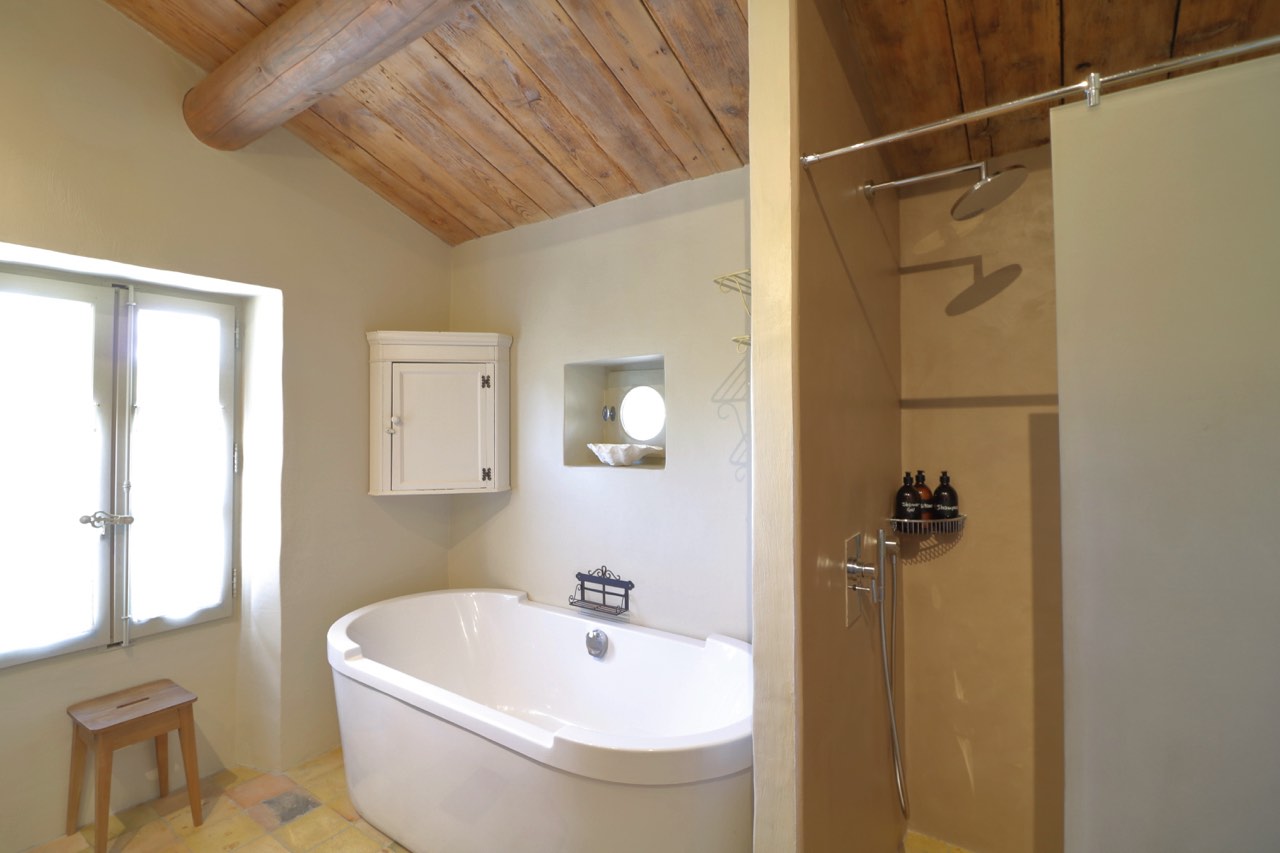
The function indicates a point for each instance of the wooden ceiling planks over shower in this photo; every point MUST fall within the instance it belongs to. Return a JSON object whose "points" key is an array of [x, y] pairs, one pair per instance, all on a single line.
{"points": [[516, 111], [926, 60]]}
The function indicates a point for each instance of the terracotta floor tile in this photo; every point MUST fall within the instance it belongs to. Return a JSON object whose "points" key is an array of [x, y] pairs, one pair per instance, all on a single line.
{"points": [[350, 840], [343, 806], [67, 844], [328, 786], [114, 828], [372, 831], [306, 832], [224, 835], [170, 804], [137, 816], [247, 812], [244, 774], [224, 779], [266, 844], [153, 837], [283, 808], [322, 763], [212, 811], [260, 788]]}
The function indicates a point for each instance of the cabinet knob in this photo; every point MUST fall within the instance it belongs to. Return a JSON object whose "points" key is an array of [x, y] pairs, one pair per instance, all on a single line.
{"points": [[395, 422]]}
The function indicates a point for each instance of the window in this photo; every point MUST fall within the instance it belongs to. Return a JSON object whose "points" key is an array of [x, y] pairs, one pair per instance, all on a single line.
{"points": [[118, 492], [643, 413]]}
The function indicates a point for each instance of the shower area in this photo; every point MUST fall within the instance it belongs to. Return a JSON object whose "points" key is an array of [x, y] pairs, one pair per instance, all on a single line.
{"points": [[926, 329]]}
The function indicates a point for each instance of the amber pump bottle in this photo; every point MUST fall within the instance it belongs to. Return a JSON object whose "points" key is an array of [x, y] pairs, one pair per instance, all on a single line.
{"points": [[926, 496], [946, 503], [906, 505]]}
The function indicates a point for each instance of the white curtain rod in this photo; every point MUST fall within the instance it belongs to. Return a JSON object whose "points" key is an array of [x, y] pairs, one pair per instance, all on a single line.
{"points": [[1091, 88]]}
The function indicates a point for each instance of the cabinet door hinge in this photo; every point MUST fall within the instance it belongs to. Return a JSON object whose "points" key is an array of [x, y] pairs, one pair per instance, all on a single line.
{"points": [[237, 334], [486, 474], [235, 458], [484, 382]]}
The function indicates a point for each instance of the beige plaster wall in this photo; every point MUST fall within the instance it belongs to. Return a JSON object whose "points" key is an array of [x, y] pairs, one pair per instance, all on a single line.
{"points": [[95, 161], [983, 611], [1167, 305], [631, 278], [848, 436], [774, 169]]}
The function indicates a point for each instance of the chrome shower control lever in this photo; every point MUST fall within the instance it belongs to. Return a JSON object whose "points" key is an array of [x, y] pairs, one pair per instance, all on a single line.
{"points": [[859, 572]]}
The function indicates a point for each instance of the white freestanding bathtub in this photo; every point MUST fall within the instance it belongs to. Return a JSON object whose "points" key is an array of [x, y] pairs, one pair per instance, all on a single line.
{"points": [[475, 721]]}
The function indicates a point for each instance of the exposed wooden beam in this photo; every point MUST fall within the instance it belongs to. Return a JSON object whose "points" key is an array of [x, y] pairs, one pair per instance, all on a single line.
{"points": [[311, 50]]}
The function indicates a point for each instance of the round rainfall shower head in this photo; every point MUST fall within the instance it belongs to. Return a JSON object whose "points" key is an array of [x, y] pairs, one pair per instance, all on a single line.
{"points": [[989, 191]]}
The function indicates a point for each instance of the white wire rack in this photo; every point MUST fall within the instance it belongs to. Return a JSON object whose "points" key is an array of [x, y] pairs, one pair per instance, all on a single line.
{"points": [[739, 283]]}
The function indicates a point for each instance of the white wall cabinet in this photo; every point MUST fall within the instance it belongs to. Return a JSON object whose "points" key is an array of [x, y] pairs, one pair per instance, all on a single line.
{"points": [[439, 413]]}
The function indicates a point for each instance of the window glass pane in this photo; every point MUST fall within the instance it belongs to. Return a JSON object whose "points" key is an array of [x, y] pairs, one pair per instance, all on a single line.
{"points": [[643, 413], [178, 467], [51, 435]]}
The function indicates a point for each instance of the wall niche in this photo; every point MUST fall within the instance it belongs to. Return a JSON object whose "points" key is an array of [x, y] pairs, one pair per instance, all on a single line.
{"points": [[594, 396]]}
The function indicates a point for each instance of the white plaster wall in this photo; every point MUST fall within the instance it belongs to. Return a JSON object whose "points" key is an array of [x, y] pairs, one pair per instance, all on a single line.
{"points": [[630, 278], [95, 161], [1167, 201]]}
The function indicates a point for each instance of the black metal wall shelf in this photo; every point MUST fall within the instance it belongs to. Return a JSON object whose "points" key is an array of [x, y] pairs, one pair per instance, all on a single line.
{"points": [[603, 592]]}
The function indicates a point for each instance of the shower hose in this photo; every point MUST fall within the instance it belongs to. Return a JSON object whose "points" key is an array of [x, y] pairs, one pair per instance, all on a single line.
{"points": [[887, 657]]}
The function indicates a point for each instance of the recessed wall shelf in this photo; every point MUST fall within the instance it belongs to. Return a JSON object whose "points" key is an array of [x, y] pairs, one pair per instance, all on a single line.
{"points": [[596, 395], [929, 527]]}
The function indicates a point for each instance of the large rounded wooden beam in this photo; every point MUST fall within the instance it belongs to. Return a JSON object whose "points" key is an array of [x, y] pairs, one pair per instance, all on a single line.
{"points": [[311, 50]]}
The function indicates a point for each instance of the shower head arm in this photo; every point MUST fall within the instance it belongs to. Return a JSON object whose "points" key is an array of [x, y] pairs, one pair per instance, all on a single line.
{"points": [[869, 189]]}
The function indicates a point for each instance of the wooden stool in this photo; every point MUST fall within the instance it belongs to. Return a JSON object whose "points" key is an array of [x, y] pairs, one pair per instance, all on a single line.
{"points": [[150, 710]]}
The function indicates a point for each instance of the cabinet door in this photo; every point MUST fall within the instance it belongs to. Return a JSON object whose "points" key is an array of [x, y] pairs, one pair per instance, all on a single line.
{"points": [[443, 416]]}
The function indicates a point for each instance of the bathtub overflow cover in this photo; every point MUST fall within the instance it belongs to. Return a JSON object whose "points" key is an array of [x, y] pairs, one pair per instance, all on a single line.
{"points": [[597, 643]]}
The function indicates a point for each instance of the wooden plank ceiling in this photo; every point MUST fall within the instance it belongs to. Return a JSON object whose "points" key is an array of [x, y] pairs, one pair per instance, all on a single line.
{"points": [[918, 61], [516, 111]]}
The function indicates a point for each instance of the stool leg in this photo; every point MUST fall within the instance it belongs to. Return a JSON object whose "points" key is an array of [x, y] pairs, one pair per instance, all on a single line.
{"points": [[187, 738], [77, 779], [162, 762], [101, 794]]}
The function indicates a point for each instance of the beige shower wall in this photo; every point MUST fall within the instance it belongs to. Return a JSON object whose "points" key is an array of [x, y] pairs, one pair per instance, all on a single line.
{"points": [[983, 686], [847, 363]]}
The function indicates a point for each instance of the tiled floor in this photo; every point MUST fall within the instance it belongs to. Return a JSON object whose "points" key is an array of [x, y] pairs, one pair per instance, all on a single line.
{"points": [[304, 809], [917, 843]]}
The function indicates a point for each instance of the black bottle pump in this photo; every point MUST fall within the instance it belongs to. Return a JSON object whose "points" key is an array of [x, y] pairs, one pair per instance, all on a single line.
{"points": [[906, 505], [926, 496], [946, 503]]}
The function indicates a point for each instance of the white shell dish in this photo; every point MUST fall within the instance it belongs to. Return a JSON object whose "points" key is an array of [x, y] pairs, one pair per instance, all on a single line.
{"points": [[622, 454]]}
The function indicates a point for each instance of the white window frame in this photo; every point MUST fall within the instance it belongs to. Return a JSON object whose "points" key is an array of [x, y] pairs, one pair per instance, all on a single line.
{"points": [[116, 304]]}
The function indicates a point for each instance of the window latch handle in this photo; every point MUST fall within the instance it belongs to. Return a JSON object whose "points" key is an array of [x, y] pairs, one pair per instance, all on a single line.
{"points": [[100, 518]]}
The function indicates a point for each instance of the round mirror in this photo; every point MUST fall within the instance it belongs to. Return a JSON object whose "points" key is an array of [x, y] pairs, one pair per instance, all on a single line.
{"points": [[642, 413]]}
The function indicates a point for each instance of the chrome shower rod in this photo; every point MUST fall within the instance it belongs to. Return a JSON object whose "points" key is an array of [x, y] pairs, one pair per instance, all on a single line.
{"points": [[1091, 88]]}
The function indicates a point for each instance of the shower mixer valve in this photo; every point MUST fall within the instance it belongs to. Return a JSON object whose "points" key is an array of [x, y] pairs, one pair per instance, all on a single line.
{"points": [[858, 573], [868, 577]]}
